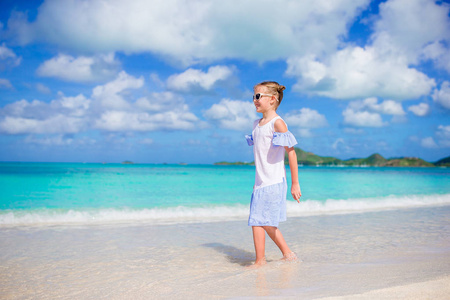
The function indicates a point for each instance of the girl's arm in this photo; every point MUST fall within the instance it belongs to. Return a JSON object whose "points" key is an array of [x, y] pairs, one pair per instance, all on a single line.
{"points": [[295, 187], [280, 126]]}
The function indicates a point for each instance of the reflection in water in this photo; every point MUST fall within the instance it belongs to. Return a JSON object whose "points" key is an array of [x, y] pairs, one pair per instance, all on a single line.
{"points": [[273, 276], [276, 275]]}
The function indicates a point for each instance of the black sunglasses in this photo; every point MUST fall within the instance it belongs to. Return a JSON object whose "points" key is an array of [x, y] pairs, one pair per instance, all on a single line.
{"points": [[259, 95]]}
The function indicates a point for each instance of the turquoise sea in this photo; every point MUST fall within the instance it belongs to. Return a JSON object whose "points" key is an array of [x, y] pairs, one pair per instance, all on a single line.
{"points": [[75, 193]]}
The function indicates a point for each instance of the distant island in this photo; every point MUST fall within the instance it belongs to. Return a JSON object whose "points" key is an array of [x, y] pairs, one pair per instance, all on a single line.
{"points": [[305, 158]]}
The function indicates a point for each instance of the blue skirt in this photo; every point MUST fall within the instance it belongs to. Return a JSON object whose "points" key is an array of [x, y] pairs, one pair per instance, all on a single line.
{"points": [[268, 205]]}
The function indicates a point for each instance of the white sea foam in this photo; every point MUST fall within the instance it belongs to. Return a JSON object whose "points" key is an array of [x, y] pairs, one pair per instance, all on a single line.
{"points": [[180, 214], [333, 206], [170, 215]]}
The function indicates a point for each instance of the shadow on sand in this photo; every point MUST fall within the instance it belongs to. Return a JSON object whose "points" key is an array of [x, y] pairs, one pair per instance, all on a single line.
{"points": [[233, 254]]}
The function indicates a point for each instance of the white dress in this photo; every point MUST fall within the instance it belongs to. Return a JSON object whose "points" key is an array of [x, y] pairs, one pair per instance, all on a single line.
{"points": [[268, 204]]}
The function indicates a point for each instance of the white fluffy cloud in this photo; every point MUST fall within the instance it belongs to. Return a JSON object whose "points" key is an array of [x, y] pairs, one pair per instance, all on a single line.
{"points": [[443, 135], [421, 109], [440, 140], [442, 96], [340, 145], [429, 142], [113, 120], [406, 32], [190, 31], [232, 114], [406, 27], [79, 69], [5, 84], [356, 72], [443, 132], [64, 115], [107, 110], [43, 89], [8, 57], [58, 140], [54, 124], [159, 111], [193, 79], [387, 107], [306, 118], [109, 96], [367, 112], [439, 53], [362, 118]]}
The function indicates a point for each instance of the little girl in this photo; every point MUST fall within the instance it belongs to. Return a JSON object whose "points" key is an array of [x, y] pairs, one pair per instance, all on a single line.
{"points": [[271, 138]]}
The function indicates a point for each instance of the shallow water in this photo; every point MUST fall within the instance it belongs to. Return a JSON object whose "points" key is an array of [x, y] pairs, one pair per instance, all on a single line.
{"points": [[51, 193], [160, 231], [341, 254]]}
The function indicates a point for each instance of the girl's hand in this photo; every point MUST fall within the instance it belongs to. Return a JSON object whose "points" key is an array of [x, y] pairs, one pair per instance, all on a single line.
{"points": [[296, 192]]}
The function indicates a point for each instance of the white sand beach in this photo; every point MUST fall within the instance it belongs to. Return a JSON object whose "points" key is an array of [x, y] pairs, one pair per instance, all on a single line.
{"points": [[433, 289], [398, 254]]}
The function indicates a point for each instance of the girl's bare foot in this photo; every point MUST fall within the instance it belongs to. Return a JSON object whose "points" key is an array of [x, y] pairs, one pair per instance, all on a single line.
{"points": [[257, 264], [290, 257]]}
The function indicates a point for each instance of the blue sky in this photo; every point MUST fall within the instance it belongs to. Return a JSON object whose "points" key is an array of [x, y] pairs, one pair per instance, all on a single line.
{"points": [[171, 81]]}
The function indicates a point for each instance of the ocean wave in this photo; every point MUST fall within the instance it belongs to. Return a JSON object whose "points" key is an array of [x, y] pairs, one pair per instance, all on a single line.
{"points": [[169, 215], [333, 206], [181, 214]]}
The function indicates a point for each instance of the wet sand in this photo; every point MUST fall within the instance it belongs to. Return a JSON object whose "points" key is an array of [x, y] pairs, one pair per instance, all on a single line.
{"points": [[433, 289], [372, 255]]}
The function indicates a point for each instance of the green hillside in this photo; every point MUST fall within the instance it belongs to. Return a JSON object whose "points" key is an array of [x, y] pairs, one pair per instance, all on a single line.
{"points": [[373, 160], [408, 162], [445, 162], [310, 159]]}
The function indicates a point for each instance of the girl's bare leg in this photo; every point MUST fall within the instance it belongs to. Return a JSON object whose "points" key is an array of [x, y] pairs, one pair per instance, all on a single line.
{"points": [[259, 238], [276, 236]]}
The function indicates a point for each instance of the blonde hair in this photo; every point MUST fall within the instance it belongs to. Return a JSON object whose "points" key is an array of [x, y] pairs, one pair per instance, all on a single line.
{"points": [[274, 88]]}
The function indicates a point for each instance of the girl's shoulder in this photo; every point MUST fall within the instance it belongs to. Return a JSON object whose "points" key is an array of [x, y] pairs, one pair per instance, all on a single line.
{"points": [[280, 125]]}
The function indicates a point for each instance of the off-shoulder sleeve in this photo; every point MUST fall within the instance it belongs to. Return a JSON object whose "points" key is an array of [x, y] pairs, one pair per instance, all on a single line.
{"points": [[284, 139], [249, 139]]}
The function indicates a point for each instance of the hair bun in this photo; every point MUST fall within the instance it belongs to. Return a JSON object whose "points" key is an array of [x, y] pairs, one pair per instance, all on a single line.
{"points": [[273, 88]]}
